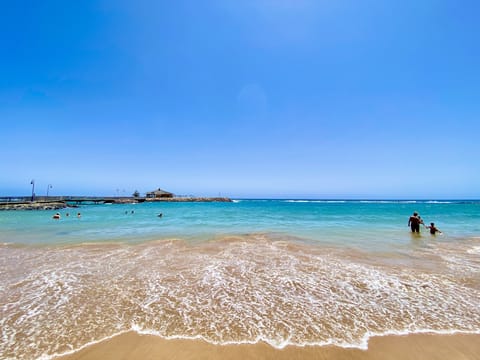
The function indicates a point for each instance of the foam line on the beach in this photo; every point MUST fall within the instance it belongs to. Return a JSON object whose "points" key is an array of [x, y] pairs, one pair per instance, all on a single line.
{"points": [[362, 344], [73, 351], [255, 341]]}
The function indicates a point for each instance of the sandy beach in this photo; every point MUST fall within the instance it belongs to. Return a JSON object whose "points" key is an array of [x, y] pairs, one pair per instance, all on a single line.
{"points": [[91, 286], [420, 346]]}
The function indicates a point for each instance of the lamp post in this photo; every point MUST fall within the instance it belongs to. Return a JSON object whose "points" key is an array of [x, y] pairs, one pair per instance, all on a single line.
{"points": [[48, 188], [33, 189]]}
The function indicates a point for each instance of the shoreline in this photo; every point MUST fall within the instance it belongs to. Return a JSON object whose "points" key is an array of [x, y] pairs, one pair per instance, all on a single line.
{"points": [[132, 345]]}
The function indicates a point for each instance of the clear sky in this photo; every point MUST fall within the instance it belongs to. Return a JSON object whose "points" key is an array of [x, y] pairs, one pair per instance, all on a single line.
{"points": [[264, 98]]}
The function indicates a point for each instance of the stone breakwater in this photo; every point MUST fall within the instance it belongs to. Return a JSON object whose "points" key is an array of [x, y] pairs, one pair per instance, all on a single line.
{"points": [[56, 205], [36, 205]]}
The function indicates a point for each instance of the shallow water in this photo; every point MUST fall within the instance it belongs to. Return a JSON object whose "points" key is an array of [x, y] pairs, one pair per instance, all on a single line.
{"points": [[364, 224], [282, 272]]}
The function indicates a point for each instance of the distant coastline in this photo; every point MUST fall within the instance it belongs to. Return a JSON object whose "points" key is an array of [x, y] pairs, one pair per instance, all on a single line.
{"points": [[61, 202]]}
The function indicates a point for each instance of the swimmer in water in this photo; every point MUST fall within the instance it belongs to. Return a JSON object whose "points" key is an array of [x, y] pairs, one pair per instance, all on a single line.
{"points": [[433, 229]]}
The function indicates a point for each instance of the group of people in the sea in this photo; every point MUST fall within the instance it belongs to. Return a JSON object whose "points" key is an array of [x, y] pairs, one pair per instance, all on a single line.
{"points": [[416, 220], [57, 216]]}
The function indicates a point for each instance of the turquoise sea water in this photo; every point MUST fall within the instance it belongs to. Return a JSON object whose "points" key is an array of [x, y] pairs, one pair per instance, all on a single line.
{"points": [[284, 272], [363, 224]]}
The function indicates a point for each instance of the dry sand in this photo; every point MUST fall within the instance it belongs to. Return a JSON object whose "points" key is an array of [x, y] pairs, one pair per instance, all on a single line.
{"points": [[144, 347]]}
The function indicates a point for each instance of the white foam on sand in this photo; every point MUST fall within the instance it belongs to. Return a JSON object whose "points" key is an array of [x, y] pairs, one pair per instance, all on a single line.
{"points": [[238, 290]]}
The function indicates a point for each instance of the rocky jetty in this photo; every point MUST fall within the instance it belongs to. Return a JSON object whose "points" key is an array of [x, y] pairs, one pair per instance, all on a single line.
{"points": [[127, 201], [35, 205], [75, 202]]}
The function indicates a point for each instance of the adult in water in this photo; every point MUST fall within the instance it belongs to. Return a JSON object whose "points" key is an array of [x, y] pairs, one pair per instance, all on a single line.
{"points": [[414, 222]]}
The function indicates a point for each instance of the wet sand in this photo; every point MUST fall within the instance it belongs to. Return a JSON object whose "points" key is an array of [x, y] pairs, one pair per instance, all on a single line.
{"points": [[421, 346]]}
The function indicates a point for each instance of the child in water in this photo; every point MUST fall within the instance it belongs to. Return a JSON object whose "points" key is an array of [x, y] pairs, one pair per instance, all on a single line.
{"points": [[433, 229]]}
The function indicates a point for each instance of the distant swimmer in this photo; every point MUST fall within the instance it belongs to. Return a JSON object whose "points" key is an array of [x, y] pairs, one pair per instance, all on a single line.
{"points": [[79, 215], [433, 229], [160, 215], [56, 216], [67, 214], [414, 222]]}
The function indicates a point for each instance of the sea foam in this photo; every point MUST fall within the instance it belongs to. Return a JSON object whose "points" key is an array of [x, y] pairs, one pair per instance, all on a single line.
{"points": [[234, 290]]}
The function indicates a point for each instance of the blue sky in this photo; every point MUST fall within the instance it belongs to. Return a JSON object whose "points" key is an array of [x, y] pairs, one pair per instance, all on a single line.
{"points": [[286, 98]]}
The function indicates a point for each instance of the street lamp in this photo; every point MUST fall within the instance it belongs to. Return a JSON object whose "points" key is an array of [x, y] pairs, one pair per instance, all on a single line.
{"points": [[48, 188], [33, 189]]}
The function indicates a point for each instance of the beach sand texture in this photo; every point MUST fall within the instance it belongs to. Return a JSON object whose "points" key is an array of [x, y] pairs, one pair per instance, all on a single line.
{"points": [[421, 346]]}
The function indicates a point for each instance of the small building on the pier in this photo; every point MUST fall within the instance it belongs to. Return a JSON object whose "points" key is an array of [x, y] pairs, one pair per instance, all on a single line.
{"points": [[158, 194]]}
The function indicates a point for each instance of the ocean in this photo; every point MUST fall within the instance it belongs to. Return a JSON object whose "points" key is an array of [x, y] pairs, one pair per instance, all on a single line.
{"points": [[283, 272]]}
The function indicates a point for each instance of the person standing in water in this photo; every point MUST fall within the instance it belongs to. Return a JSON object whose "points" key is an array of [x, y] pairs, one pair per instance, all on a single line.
{"points": [[414, 222]]}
